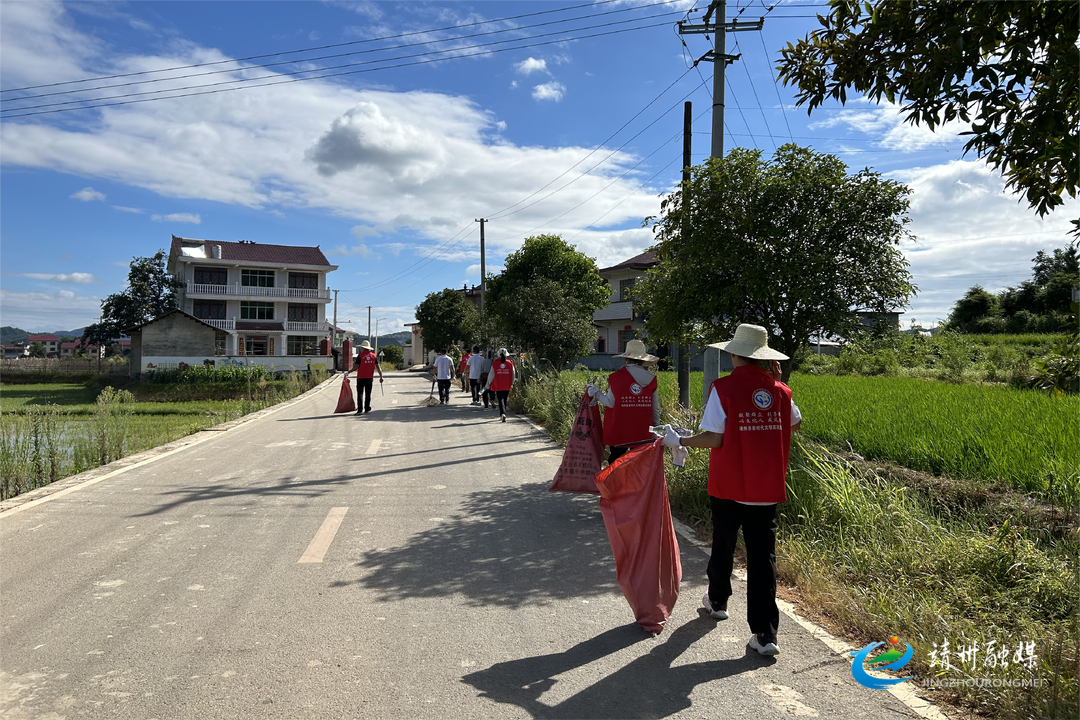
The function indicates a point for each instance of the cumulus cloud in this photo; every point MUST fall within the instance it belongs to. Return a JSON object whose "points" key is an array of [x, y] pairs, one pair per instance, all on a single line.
{"points": [[192, 218], [87, 194], [360, 250], [121, 208], [885, 123], [531, 65], [48, 310], [553, 90], [77, 278]]}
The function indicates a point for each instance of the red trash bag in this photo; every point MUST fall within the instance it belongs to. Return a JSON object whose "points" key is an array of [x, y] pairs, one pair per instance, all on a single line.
{"points": [[345, 402], [346, 356], [634, 503], [584, 450]]}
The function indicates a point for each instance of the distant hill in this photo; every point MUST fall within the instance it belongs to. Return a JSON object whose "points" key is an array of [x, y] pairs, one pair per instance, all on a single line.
{"points": [[398, 338], [10, 334]]}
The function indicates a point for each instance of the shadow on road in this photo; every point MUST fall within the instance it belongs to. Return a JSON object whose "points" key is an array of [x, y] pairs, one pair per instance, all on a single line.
{"points": [[648, 687], [510, 546], [233, 487]]}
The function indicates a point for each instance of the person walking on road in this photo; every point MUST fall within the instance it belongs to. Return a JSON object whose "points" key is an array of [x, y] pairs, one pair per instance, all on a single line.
{"points": [[444, 374], [475, 368], [501, 379], [366, 365], [632, 401], [485, 374], [462, 367], [747, 424]]}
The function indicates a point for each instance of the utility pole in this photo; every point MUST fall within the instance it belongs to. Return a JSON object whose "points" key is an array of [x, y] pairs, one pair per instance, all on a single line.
{"points": [[369, 324], [334, 343], [682, 362], [716, 25], [483, 264]]}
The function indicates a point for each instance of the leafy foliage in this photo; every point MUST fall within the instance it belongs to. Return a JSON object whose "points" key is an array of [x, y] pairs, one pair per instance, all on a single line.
{"points": [[445, 318], [37, 349], [794, 244], [549, 257], [1059, 371], [151, 292], [393, 354], [1009, 68]]}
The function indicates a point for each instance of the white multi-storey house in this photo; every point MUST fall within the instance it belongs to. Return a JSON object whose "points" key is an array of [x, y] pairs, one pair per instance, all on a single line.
{"points": [[271, 299]]}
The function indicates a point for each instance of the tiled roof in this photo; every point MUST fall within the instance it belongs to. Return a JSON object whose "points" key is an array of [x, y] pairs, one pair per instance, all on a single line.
{"points": [[128, 331], [41, 338], [79, 344], [252, 252], [639, 262]]}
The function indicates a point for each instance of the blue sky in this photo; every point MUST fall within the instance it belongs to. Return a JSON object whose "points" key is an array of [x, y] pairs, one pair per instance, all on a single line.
{"points": [[386, 169]]}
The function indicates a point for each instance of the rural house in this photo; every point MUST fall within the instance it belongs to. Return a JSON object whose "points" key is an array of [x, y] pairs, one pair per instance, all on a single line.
{"points": [[154, 343]]}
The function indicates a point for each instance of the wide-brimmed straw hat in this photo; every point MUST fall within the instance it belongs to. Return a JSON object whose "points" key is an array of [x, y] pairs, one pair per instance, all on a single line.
{"points": [[366, 345], [752, 342], [635, 350]]}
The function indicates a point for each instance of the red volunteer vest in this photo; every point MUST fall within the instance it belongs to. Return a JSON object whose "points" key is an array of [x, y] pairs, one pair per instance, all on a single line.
{"points": [[365, 365], [751, 466], [463, 363], [504, 374], [631, 417]]}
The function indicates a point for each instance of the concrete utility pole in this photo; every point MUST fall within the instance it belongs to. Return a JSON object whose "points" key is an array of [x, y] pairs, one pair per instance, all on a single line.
{"points": [[334, 343], [369, 324], [716, 25], [682, 361], [483, 264]]}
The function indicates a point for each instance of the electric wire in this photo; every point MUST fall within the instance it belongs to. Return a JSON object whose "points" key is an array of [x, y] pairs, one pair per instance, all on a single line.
{"points": [[776, 86], [768, 130]]}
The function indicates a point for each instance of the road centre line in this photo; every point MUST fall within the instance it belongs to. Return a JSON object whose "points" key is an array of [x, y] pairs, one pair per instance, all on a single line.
{"points": [[374, 447], [321, 542]]}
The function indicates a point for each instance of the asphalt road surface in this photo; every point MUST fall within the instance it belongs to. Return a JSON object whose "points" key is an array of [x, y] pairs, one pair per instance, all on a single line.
{"points": [[405, 564]]}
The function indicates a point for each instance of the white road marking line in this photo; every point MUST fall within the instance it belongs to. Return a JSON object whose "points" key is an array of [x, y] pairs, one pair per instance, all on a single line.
{"points": [[374, 447], [321, 542], [393, 402]]}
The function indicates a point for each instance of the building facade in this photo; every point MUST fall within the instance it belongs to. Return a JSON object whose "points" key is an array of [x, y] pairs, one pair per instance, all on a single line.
{"points": [[269, 299]]}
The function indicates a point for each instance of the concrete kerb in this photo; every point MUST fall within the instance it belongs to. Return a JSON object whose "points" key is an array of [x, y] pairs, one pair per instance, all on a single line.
{"points": [[71, 484], [903, 692]]}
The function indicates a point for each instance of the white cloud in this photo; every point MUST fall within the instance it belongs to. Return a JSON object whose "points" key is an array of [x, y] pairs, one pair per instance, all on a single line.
{"points": [[121, 208], [62, 309], [360, 250], [553, 90], [87, 194], [78, 278], [192, 218], [500, 126], [514, 85], [531, 65], [886, 124], [473, 271]]}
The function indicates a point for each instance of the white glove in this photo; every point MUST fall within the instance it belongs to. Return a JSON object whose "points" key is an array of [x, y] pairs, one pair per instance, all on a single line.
{"points": [[679, 455], [671, 438], [592, 390]]}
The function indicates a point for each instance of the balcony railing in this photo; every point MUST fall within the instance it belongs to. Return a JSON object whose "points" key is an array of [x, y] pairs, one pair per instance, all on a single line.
{"points": [[253, 291], [294, 326], [221, 324]]}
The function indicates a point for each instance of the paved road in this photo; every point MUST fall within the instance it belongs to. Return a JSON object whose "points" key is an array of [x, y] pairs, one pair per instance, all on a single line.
{"points": [[454, 586]]}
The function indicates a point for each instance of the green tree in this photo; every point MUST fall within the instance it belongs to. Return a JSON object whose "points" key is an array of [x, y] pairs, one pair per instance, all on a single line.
{"points": [[445, 318], [793, 243], [37, 349], [1010, 69], [544, 318], [550, 257], [151, 292], [393, 354], [970, 311]]}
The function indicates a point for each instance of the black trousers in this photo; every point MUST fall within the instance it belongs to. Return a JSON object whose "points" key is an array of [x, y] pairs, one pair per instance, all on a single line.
{"points": [[363, 393], [502, 395], [615, 452], [444, 390], [474, 385], [758, 524]]}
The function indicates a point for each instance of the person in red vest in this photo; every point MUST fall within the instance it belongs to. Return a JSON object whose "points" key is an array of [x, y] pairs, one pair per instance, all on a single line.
{"points": [[747, 423], [632, 401], [366, 365], [501, 379], [461, 369]]}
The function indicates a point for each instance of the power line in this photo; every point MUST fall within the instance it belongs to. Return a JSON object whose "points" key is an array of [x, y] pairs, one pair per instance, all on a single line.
{"points": [[312, 49], [768, 130], [358, 52], [335, 67], [776, 87]]}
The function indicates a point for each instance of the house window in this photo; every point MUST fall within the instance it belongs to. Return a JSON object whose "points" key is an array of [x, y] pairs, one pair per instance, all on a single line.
{"points": [[601, 345], [211, 276], [256, 310], [624, 289], [304, 281], [256, 345], [625, 336], [302, 345], [257, 278], [303, 313], [209, 309]]}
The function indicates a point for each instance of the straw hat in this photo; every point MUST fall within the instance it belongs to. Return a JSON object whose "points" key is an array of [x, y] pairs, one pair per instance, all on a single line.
{"points": [[366, 345], [751, 341], [635, 350]]}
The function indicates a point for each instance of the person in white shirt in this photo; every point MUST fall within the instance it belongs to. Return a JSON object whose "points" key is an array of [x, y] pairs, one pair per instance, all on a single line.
{"points": [[444, 374], [475, 367]]}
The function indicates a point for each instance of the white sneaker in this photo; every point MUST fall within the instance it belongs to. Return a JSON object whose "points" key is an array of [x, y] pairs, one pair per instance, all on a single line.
{"points": [[714, 613], [503, 418], [764, 643]]}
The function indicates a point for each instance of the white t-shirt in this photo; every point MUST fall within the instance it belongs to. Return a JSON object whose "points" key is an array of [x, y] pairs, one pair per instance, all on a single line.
{"points": [[475, 365], [444, 367]]}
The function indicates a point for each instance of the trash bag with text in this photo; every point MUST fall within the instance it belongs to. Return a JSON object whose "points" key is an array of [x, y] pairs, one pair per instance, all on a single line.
{"points": [[345, 402], [584, 451], [634, 503]]}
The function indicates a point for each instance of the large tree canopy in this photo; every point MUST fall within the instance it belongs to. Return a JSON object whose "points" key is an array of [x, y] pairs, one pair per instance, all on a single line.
{"points": [[445, 318], [552, 258], [793, 243], [1009, 68], [151, 292]]}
